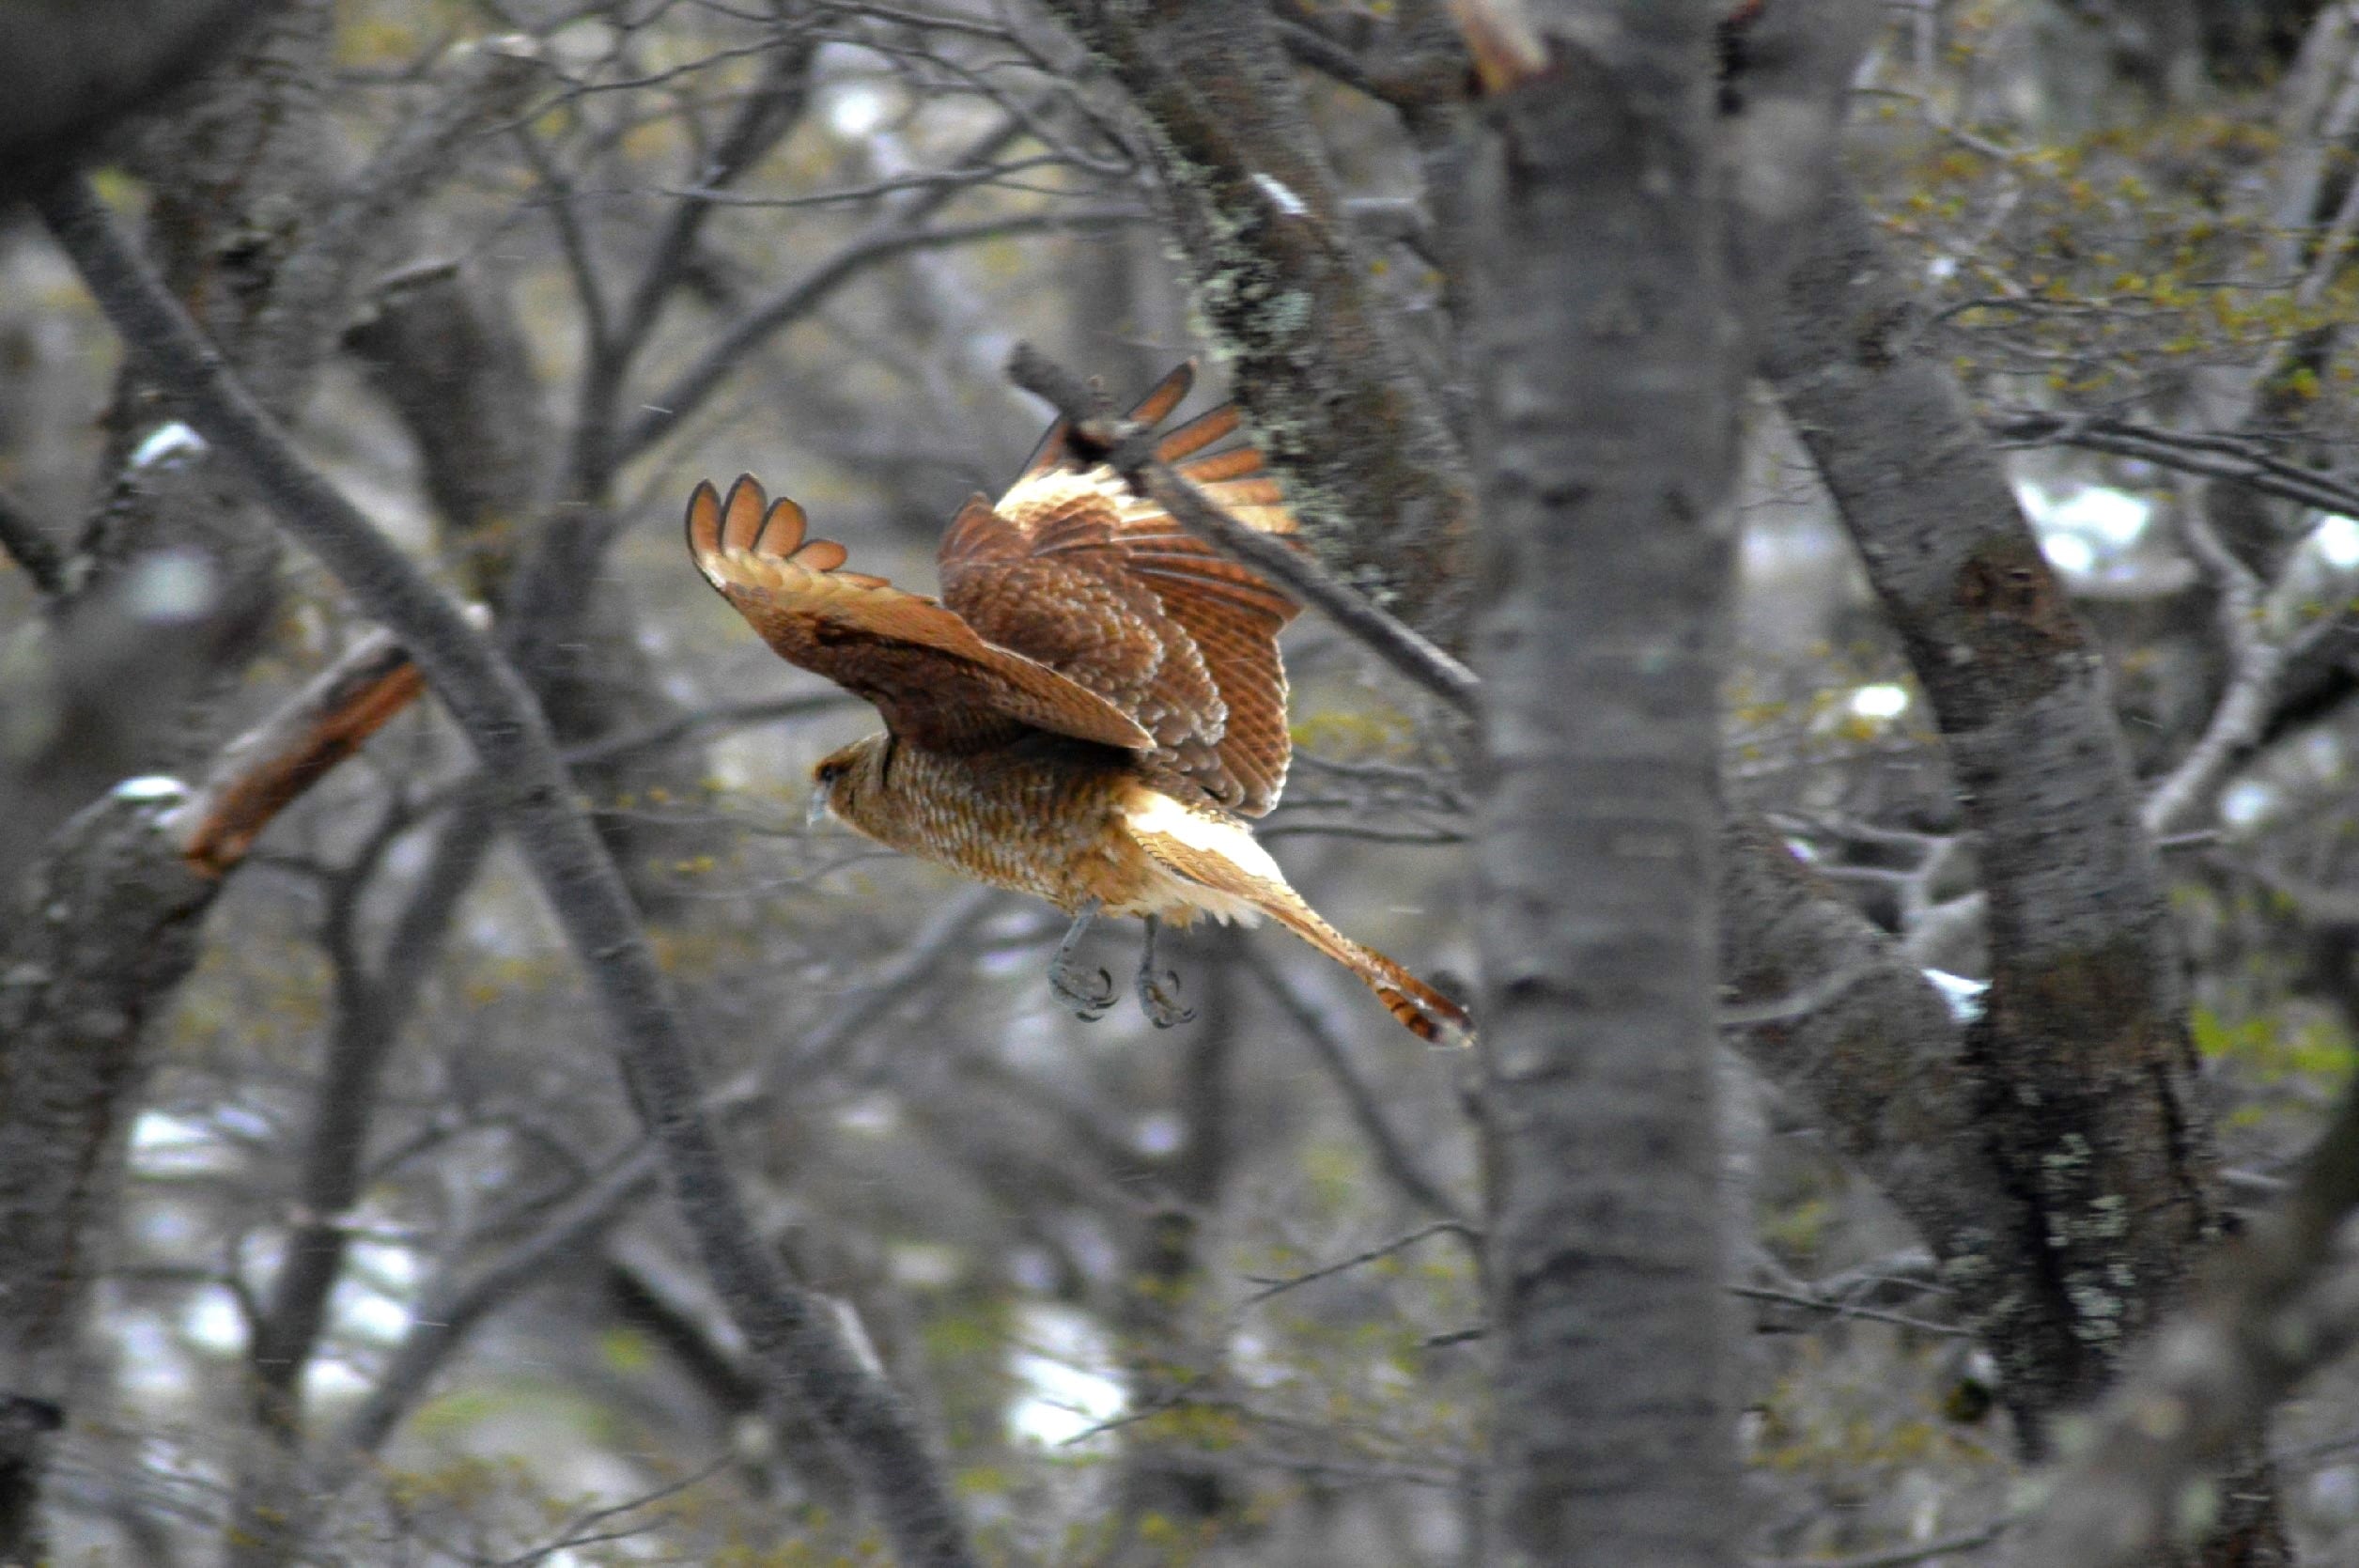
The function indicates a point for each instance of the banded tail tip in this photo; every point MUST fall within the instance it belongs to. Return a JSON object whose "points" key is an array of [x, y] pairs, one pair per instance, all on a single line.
{"points": [[1433, 1018]]}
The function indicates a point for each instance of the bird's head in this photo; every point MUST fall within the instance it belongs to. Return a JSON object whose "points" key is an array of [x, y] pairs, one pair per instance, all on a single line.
{"points": [[843, 780]]}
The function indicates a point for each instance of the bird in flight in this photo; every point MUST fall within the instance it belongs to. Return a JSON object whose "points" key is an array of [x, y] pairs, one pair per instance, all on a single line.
{"points": [[1086, 714]]}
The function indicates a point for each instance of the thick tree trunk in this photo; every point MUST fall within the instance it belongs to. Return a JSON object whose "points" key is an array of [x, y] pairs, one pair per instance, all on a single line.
{"points": [[108, 929], [97, 952], [2089, 1095], [2090, 1076], [1609, 360], [1360, 441]]}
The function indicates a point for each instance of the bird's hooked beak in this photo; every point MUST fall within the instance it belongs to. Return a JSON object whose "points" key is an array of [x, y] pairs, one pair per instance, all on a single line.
{"points": [[817, 811]]}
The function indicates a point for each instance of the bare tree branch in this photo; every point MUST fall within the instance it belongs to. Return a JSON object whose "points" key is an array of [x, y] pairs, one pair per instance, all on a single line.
{"points": [[895, 230], [2245, 459], [488, 84], [1960, 1544], [442, 345], [1880, 1061], [2262, 656], [1131, 453], [771, 109], [262, 771], [272, 1510], [794, 1336], [2087, 1024]]}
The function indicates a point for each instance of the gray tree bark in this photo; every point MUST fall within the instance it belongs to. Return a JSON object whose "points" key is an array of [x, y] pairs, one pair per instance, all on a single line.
{"points": [[2091, 1077], [1612, 374], [93, 960], [1360, 441], [2278, 1304], [2086, 1079], [106, 931]]}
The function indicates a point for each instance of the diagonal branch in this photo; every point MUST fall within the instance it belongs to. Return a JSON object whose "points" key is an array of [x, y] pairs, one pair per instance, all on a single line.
{"points": [[1879, 1058], [456, 1305], [2085, 1033], [2259, 667], [263, 770], [1130, 451], [793, 1335], [2243, 458]]}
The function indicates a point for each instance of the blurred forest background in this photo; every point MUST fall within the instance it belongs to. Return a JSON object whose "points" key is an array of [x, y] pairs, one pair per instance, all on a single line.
{"points": [[390, 1278]]}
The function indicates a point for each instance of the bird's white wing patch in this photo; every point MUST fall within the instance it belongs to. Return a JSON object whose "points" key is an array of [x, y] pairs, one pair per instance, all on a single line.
{"points": [[1151, 812]]}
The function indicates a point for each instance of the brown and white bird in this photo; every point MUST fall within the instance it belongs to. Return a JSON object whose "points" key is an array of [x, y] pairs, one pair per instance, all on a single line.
{"points": [[1087, 713]]}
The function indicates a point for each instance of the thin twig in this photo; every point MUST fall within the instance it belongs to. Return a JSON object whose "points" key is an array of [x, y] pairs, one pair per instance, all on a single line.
{"points": [[1386, 1142], [2258, 664], [1794, 1006], [1906, 1557], [1358, 1260], [763, 119], [1847, 1309], [2239, 459], [902, 228]]}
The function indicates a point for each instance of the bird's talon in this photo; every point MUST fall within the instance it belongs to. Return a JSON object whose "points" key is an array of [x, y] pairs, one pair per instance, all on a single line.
{"points": [[1089, 1001], [1157, 1000]]}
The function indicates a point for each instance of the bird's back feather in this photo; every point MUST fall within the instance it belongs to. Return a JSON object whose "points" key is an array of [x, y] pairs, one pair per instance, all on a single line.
{"points": [[1093, 580]]}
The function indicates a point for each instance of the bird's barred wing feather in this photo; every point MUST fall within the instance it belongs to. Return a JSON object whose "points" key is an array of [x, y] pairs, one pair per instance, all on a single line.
{"points": [[1076, 570], [936, 680]]}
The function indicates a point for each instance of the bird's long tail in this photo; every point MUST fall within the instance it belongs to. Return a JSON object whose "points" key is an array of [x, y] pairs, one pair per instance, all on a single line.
{"points": [[1424, 1011], [1218, 854]]}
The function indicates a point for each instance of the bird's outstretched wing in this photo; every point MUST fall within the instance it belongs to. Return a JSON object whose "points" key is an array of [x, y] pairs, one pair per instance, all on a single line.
{"points": [[1075, 569], [938, 683]]}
